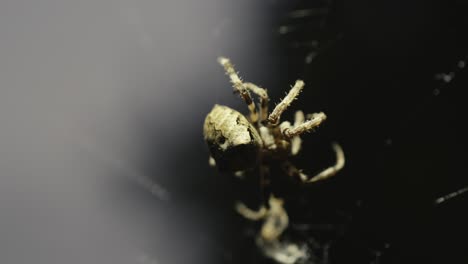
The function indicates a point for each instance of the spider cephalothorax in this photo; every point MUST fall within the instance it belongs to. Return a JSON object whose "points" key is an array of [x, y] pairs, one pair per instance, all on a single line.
{"points": [[238, 144]]}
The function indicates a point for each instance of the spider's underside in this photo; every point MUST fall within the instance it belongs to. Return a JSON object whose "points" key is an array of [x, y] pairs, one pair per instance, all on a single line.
{"points": [[238, 144]]}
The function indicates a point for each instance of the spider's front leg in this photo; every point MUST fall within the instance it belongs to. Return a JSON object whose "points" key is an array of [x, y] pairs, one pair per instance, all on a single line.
{"points": [[292, 171], [293, 132], [262, 93], [275, 115], [315, 120], [240, 87]]}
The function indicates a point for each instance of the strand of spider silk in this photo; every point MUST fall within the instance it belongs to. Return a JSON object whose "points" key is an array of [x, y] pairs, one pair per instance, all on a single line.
{"points": [[451, 195], [279, 109], [131, 173]]}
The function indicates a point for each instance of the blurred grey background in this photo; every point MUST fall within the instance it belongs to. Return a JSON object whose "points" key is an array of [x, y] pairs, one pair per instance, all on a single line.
{"points": [[79, 82]]}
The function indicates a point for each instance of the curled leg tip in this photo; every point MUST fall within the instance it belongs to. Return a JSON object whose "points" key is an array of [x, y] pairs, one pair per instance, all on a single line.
{"points": [[340, 157]]}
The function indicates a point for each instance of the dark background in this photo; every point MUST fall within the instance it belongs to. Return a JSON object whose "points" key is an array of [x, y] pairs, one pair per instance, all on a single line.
{"points": [[377, 70], [101, 112]]}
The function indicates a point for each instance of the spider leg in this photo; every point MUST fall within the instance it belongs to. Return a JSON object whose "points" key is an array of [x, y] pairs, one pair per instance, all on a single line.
{"points": [[268, 138], [250, 214], [292, 171], [276, 221], [262, 212], [296, 140], [275, 115], [269, 241], [316, 120], [262, 93], [283, 252], [240, 87]]}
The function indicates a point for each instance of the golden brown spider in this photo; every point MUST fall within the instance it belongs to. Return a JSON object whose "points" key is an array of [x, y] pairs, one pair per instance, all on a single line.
{"points": [[238, 144]]}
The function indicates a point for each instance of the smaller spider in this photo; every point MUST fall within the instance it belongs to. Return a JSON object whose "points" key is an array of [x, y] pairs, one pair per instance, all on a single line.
{"points": [[239, 144]]}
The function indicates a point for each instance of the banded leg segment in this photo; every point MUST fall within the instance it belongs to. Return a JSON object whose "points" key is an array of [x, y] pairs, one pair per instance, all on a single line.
{"points": [[240, 87], [262, 93]]}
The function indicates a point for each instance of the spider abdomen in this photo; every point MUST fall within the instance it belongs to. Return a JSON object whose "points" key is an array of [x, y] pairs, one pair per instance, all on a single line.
{"points": [[233, 141]]}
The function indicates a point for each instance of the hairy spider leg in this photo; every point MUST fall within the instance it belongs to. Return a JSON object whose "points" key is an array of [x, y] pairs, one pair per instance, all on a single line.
{"points": [[240, 87], [306, 126], [275, 115]]}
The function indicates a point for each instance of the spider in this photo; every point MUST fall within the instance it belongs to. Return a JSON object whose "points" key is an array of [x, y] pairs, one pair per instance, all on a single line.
{"points": [[239, 144]]}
